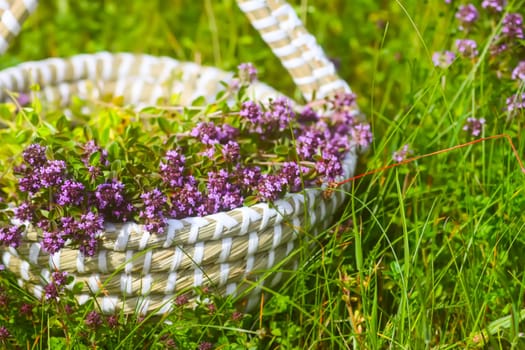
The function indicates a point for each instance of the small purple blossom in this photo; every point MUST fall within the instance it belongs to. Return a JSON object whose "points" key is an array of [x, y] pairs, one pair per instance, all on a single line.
{"points": [[516, 102], [110, 200], [308, 142], [205, 346], [519, 72], [4, 334], [181, 300], [402, 154], [210, 134], [248, 177], [56, 286], [52, 173], [344, 100], [361, 135], [467, 48], [328, 167], [153, 212], [247, 72], [11, 236], [172, 170], [53, 241], [443, 59], [35, 155], [494, 5], [93, 320], [89, 226], [71, 193], [308, 114], [467, 15], [271, 186], [186, 201], [26, 309], [222, 193], [253, 113], [24, 212], [109, 194], [512, 26], [113, 321], [231, 151], [291, 172], [475, 126], [279, 115]]}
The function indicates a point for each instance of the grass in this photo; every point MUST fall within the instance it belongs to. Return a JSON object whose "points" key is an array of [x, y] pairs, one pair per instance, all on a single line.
{"points": [[426, 255]]}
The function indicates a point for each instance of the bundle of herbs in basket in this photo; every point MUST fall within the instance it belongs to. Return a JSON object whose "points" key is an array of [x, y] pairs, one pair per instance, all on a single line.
{"points": [[137, 205], [69, 178]]}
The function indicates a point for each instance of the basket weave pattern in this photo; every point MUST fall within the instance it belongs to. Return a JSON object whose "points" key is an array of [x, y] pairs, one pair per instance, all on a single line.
{"points": [[231, 251]]}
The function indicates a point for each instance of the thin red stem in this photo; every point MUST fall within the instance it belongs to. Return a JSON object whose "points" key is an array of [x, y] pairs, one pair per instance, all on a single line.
{"points": [[409, 160]]}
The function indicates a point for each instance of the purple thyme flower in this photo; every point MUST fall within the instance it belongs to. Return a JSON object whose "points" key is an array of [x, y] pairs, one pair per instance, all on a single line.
{"points": [[512, 26], [271, 186], [222, 193], [402, 154], [172, 170], [153, 212], [53, 241], [361, 135], [252, 112], [4, 334], [516, 102], [248, 177], [109, 194], [328, 167], [113, 321], [56, 286], [474, 125], [71, 192], [205, 346], [494, 5], [247, 72], [89, 226], [443, 59], [467, 15], [280, 115], [24, 212], [344, 100], [11, 236], [231, 151], [52, 173], [93, 320], [308, 142], [26, 309], [308, 114], [467, 48], [35, 155], [519, 72], [291, 172], [181, 300], [110, 200], [185, 202], [210, 134]]}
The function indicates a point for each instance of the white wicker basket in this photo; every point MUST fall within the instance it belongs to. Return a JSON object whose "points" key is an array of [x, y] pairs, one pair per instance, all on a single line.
{"points": [[139, 272]]}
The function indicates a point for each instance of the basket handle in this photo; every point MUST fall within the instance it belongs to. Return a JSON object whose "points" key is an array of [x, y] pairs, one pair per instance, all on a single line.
{"points": [[275, 20], [12, 14]]}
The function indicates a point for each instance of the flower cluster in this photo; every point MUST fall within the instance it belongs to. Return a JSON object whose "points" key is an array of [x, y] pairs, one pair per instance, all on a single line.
{"points": [[214, 160], [505, 53]]}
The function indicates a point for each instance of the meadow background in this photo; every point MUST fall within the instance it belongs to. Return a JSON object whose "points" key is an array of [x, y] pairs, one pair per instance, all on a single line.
{"points": [[427, 255]]}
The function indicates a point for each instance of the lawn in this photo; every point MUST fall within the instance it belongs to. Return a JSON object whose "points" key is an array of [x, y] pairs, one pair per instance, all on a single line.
{"points": [[426, 254]]}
